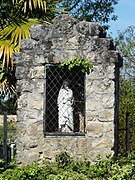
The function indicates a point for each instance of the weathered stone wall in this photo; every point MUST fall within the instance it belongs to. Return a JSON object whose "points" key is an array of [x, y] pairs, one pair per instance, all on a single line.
{"points": [[65, 39]]}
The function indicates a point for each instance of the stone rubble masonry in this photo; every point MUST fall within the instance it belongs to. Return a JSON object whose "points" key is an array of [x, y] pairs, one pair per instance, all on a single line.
{"points": [[64, 39]]}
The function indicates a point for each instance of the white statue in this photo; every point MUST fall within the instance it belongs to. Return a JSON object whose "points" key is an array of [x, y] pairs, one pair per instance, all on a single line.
{"points": [[65, 108]]}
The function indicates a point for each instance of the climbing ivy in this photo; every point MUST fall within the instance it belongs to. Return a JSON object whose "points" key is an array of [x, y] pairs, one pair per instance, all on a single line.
{"points": [[84, 64]]}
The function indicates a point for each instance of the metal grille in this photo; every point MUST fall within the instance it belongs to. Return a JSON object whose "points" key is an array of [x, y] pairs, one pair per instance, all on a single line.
{"points": [[126, 124], [7, 141], [54, 78]]}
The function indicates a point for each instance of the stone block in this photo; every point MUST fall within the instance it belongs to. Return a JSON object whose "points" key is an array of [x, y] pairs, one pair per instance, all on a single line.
{"points": [[93, 105], [103, 143], [37, 31], [101, 86], [24, 85], [36, 72], [22, 101], [21, 129], [39, 86], [91, 115], [81, 146], [28, 45], [31, 116], [106, 116], [108, 101], [35, 129], [94, 129], [91, 29], [32, 156], [35, 101], [38, 59]]}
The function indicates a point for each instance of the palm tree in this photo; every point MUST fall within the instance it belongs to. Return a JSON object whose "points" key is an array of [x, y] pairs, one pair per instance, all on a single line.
{"points": [[18, 16]]}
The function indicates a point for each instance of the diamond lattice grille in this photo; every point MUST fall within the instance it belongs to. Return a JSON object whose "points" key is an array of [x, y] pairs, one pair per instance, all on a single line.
{"points": [[64, 100]]}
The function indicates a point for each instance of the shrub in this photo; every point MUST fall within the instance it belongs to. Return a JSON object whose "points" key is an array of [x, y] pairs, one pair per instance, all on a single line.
{"points": [[63, 159], [67, 175], [65, 168], [1, 165]]}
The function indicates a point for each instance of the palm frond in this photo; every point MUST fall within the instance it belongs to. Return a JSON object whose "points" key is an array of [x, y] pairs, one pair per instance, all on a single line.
{"points": [[10, 39], [31, 5], [6, 51]]}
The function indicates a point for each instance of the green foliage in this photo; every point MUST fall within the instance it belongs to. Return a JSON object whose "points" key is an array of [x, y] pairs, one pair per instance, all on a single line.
{"points": [[1, 165], [21, 173], [16, 17], [8, 93], [11, 131], [13, 161], [67, 175], [69, 169], [127, 105], [63, 159], [7, 11], [125, 44], [77, 62], [125, 41], [127, 99], [91, 10]]}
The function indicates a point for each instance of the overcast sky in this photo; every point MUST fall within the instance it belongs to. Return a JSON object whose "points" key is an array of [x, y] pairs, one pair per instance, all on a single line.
{"points": [[126, 16]]}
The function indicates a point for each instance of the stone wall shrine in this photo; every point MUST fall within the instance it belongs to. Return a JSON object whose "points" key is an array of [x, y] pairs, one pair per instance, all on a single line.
{"points": [[63, 110]]}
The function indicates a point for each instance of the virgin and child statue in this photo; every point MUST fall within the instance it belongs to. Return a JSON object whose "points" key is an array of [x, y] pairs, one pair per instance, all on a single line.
{"points": [[65, 103]]}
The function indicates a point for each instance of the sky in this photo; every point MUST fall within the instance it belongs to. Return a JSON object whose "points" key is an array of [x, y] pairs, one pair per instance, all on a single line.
{"points": [[125, 10]]}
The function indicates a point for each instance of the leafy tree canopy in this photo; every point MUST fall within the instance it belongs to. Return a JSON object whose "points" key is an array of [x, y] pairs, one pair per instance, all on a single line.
{"points": [[125, 44], [7, 11], [91, 10]]}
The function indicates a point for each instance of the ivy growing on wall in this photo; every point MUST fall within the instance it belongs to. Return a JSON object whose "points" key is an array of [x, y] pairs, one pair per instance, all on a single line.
{"points": [[82, 63]]}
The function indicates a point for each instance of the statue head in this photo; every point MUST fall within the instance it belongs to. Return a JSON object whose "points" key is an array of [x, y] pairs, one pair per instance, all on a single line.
{"points": [[66, 83]]}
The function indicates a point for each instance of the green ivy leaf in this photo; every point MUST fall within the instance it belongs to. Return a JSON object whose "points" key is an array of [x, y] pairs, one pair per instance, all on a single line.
{"points": [[77, 62]]}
